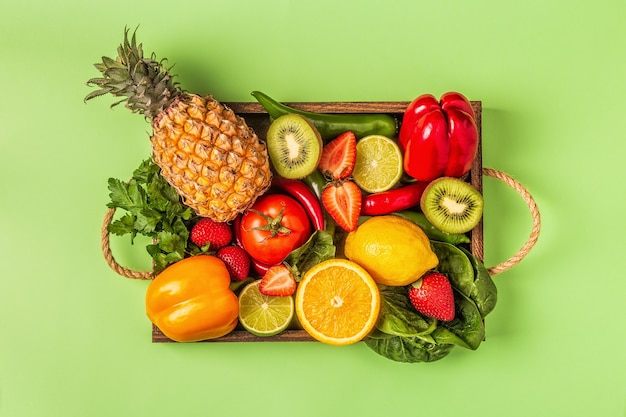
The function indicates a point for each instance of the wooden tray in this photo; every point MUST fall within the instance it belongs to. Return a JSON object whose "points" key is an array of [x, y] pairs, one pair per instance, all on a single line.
{"points": [[257, 118]]}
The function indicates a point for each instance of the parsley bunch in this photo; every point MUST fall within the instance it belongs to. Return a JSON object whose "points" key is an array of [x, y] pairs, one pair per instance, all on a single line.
{"points": [[154, 209]]}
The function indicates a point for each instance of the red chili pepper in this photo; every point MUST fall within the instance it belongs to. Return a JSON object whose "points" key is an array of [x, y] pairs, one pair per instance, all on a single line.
{"points": [[439, 138], [303, 194], [396, 199]]}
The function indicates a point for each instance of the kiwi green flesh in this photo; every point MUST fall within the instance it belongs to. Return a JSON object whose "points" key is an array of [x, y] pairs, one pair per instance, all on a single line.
{"points": [[452, 205], [294, 146]]}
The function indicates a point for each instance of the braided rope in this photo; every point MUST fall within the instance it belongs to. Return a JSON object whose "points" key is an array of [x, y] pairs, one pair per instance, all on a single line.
{"points": [[534, 211], [504, 266]]}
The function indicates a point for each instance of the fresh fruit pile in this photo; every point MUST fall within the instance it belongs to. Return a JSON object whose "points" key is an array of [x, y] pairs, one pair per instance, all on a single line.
{"points": [[342, 224]]}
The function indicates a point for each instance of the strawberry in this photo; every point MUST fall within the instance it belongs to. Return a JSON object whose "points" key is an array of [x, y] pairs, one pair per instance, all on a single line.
{"points": [[432, 296], [237, 261], [278, 281], [209, 232], [342, 200], [339, 156]]}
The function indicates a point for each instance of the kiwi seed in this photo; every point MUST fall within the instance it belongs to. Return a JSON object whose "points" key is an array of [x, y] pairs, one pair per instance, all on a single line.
{"points": [[452, 205], [294, 146]]}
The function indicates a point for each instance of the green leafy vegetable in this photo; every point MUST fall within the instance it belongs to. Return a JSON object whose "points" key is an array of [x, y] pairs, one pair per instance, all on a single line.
{"points": [[403, 334], [466, 330], [319, 247], [454, 264], [484, 291], [397, 316], [431, 231], [153, 209], [406, 349], [237, 286]]}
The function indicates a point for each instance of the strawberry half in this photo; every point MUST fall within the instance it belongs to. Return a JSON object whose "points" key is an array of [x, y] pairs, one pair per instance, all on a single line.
{"points": [[278, 281], [209, 232], [342, 200], [339, 156], [432, 296], [237, 261]]}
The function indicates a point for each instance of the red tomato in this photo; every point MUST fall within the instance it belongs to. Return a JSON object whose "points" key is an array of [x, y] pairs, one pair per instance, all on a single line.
{"points": [[275, 225]]}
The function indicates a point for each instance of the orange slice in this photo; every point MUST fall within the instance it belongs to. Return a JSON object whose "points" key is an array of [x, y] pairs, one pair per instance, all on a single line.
{"points": [[337, 302]]}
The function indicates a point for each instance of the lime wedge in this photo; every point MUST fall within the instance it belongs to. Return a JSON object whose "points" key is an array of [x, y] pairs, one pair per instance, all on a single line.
{"points": [[264, 315], [378, 164]]}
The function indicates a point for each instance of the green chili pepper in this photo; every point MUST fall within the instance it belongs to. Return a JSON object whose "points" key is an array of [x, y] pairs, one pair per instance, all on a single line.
{"points": [[332, 125], [316, 182], [431, 231]]}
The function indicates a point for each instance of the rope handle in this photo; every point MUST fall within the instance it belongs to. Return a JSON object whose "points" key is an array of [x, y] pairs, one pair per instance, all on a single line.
{"points": [[504, 266], [534, 211]]}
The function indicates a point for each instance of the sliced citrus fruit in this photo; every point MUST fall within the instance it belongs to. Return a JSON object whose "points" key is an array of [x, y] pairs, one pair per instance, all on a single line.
{"points": [[378, 164], [337, 302], [264, 315]]}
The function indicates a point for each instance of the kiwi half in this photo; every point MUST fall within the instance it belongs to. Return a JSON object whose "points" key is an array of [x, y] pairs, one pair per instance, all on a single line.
{"points": [[294, 146], [452, 205]]}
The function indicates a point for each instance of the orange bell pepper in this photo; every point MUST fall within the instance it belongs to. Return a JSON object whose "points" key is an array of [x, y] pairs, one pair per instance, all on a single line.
{"points": [[191, 300]]}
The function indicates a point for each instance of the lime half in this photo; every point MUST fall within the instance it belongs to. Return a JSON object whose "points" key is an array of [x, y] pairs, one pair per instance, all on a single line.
{"points": [[264, 315], [378, 164]]}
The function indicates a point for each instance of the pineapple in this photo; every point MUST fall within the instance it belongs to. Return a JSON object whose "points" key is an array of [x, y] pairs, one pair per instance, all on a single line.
{"points": [[205, 151]]}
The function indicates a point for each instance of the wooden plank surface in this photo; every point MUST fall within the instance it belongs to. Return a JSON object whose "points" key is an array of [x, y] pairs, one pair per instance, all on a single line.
{"points": [[257, 119]]}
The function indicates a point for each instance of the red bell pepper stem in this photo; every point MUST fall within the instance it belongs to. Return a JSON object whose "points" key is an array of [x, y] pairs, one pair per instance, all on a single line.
{"points": [[396, 199], [304, 195]]}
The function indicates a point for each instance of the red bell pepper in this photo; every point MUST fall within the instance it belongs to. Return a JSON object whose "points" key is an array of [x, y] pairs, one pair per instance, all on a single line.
{"points": [[438, 138]]}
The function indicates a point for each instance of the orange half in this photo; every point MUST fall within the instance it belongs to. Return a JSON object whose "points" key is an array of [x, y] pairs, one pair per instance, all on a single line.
{"points": [[337, 302]]}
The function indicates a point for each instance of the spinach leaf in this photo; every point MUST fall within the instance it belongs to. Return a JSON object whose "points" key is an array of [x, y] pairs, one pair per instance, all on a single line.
{"points": [[454, 264], [398, 317], [467, 274], [466, 329], [484, 291], [406, 349], [319, 247]]}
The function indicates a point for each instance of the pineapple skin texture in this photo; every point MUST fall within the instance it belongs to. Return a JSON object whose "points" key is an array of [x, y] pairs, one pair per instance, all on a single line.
{"points": [[210, 156]]}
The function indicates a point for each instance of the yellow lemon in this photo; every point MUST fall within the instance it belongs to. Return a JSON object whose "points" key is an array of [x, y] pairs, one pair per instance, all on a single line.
{"points": [[395, 251]]}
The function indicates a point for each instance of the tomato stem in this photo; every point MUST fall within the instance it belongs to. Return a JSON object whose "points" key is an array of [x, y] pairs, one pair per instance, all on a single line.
{"points": [[274, 224]]}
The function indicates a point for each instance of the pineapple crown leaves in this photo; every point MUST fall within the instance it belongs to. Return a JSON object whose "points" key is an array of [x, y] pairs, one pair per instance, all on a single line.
{"points": [[147, 85]]}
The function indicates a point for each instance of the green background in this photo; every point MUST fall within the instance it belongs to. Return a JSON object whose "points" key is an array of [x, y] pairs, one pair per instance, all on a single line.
{"points": [[74, 339]]}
